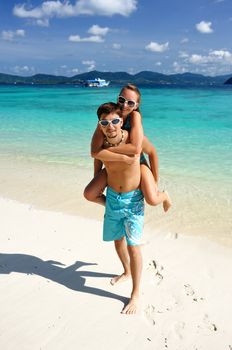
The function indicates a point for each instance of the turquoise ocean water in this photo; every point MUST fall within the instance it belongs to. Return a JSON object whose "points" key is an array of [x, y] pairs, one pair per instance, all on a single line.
{"points": [[190, 127]]}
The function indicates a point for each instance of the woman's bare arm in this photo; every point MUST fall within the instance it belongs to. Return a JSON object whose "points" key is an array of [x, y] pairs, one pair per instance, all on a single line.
{"points": [[97, 140], [101, 154], [106, 156]]}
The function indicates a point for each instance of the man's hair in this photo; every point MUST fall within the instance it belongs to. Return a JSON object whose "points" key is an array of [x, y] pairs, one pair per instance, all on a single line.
{"points": [[108, 108]]}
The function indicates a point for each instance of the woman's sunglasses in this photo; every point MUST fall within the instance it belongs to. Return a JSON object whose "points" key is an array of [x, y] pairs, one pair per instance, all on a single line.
{"points": [[105, 122], [123, 100]]}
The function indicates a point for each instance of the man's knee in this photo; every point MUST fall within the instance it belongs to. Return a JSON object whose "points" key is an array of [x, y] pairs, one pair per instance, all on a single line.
{"points": [[119, 242], [133, 249]]}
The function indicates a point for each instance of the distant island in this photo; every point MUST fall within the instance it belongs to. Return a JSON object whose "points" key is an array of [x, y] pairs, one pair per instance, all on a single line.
{"points": [[229, 81], [146, 78]]}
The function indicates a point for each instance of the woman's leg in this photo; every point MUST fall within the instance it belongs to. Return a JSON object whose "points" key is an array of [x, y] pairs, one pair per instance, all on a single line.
{"points": [[150, 191], [94, 190]]}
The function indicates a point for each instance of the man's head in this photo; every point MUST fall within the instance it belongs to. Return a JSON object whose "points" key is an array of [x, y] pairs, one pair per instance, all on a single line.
{"points": [[110, 121]]}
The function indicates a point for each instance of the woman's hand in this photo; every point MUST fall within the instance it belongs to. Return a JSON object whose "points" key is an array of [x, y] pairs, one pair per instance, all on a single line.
{"points": [[131, 159]]}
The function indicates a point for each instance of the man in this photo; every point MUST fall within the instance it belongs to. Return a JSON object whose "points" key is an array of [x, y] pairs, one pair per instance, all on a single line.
{"points": [[124, 213]]}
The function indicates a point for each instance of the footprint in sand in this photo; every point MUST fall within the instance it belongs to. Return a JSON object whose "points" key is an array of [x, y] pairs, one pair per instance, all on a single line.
{"points": [[156, 268], [178, 329], [210, 325], [150, 314], [189, 291], [166, 343]]}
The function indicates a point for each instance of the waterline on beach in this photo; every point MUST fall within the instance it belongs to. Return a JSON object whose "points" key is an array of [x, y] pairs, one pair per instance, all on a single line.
{"points": [[45, 152], [58, 187]]}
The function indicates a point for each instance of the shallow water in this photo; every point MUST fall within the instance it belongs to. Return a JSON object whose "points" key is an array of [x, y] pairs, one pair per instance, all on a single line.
{"points": [[191, 129]]}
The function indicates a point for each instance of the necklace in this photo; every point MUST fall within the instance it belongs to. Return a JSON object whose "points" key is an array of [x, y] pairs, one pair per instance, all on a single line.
{"points": [[114, 144]]}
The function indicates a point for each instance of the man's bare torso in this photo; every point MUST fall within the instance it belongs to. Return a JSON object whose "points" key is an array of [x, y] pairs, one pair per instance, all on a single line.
{"points": [[123, 177]]}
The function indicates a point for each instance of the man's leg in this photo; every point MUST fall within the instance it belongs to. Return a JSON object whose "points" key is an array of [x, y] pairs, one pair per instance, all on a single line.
{"points": [[121, 249], [136, 264]]}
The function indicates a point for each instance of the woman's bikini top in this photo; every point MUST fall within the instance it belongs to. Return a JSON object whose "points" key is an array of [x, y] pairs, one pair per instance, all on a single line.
{"points": [[127, 124]]}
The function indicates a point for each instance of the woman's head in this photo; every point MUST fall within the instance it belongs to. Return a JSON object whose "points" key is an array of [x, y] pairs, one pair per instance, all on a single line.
{"points": [[129, 98]]}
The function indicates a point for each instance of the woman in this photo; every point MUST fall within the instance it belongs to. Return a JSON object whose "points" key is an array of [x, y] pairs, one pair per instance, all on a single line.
{"points": [[129, 100]]}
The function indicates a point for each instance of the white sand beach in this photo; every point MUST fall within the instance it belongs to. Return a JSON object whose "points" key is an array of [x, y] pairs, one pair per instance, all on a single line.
{"points": [[55, 291]]}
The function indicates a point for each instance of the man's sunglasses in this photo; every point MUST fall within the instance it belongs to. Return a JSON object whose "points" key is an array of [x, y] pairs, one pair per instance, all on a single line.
{"points": [[105, 122], [123, 100]]}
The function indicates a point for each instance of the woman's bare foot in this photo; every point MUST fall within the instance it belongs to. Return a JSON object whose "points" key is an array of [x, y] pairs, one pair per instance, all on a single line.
{"points": [[131, 307], [121, 278], [167, 202]]}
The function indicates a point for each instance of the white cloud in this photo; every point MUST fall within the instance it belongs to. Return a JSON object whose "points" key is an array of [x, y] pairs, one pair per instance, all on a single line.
{"points": [[10, 35], [158, 63], [97, 30], [20, 32], [198, 59], [92, 67], [204, 27], [183, 54], [90, 63], [214, 56], [155, 47], [57, 8], [97, 37], [131, 70], [90, 39], [178, 68], [106, 7], [7, 35], [184, 41], [222, 55], [116, 46], [44, 22], [75, 70], [23, 69]]}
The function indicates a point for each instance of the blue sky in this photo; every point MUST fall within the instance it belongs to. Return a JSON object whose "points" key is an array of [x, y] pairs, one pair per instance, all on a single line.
{"points": [[72, 37]]}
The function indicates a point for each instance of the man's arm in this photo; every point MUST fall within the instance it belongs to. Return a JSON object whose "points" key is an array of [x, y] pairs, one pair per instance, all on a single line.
{"points": [[150, 150]]}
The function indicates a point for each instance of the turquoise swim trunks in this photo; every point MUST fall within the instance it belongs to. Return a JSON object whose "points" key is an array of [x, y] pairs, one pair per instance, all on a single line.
{"points": [[124, 216]]}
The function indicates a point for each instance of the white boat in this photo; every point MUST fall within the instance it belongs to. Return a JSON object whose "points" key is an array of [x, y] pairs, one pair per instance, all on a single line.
{"points": [[97, 82]]}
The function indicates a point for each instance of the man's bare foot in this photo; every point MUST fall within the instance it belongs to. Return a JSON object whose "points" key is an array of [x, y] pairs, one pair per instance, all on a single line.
{"points": [[167, 202], [131, 307], [117, 279]]}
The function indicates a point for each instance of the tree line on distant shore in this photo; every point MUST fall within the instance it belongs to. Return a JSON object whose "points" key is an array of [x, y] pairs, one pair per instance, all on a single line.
{"points": [[142, 78]]}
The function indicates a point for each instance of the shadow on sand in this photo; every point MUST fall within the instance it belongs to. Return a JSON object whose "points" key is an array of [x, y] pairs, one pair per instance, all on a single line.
{"points": [[55, 271]]}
